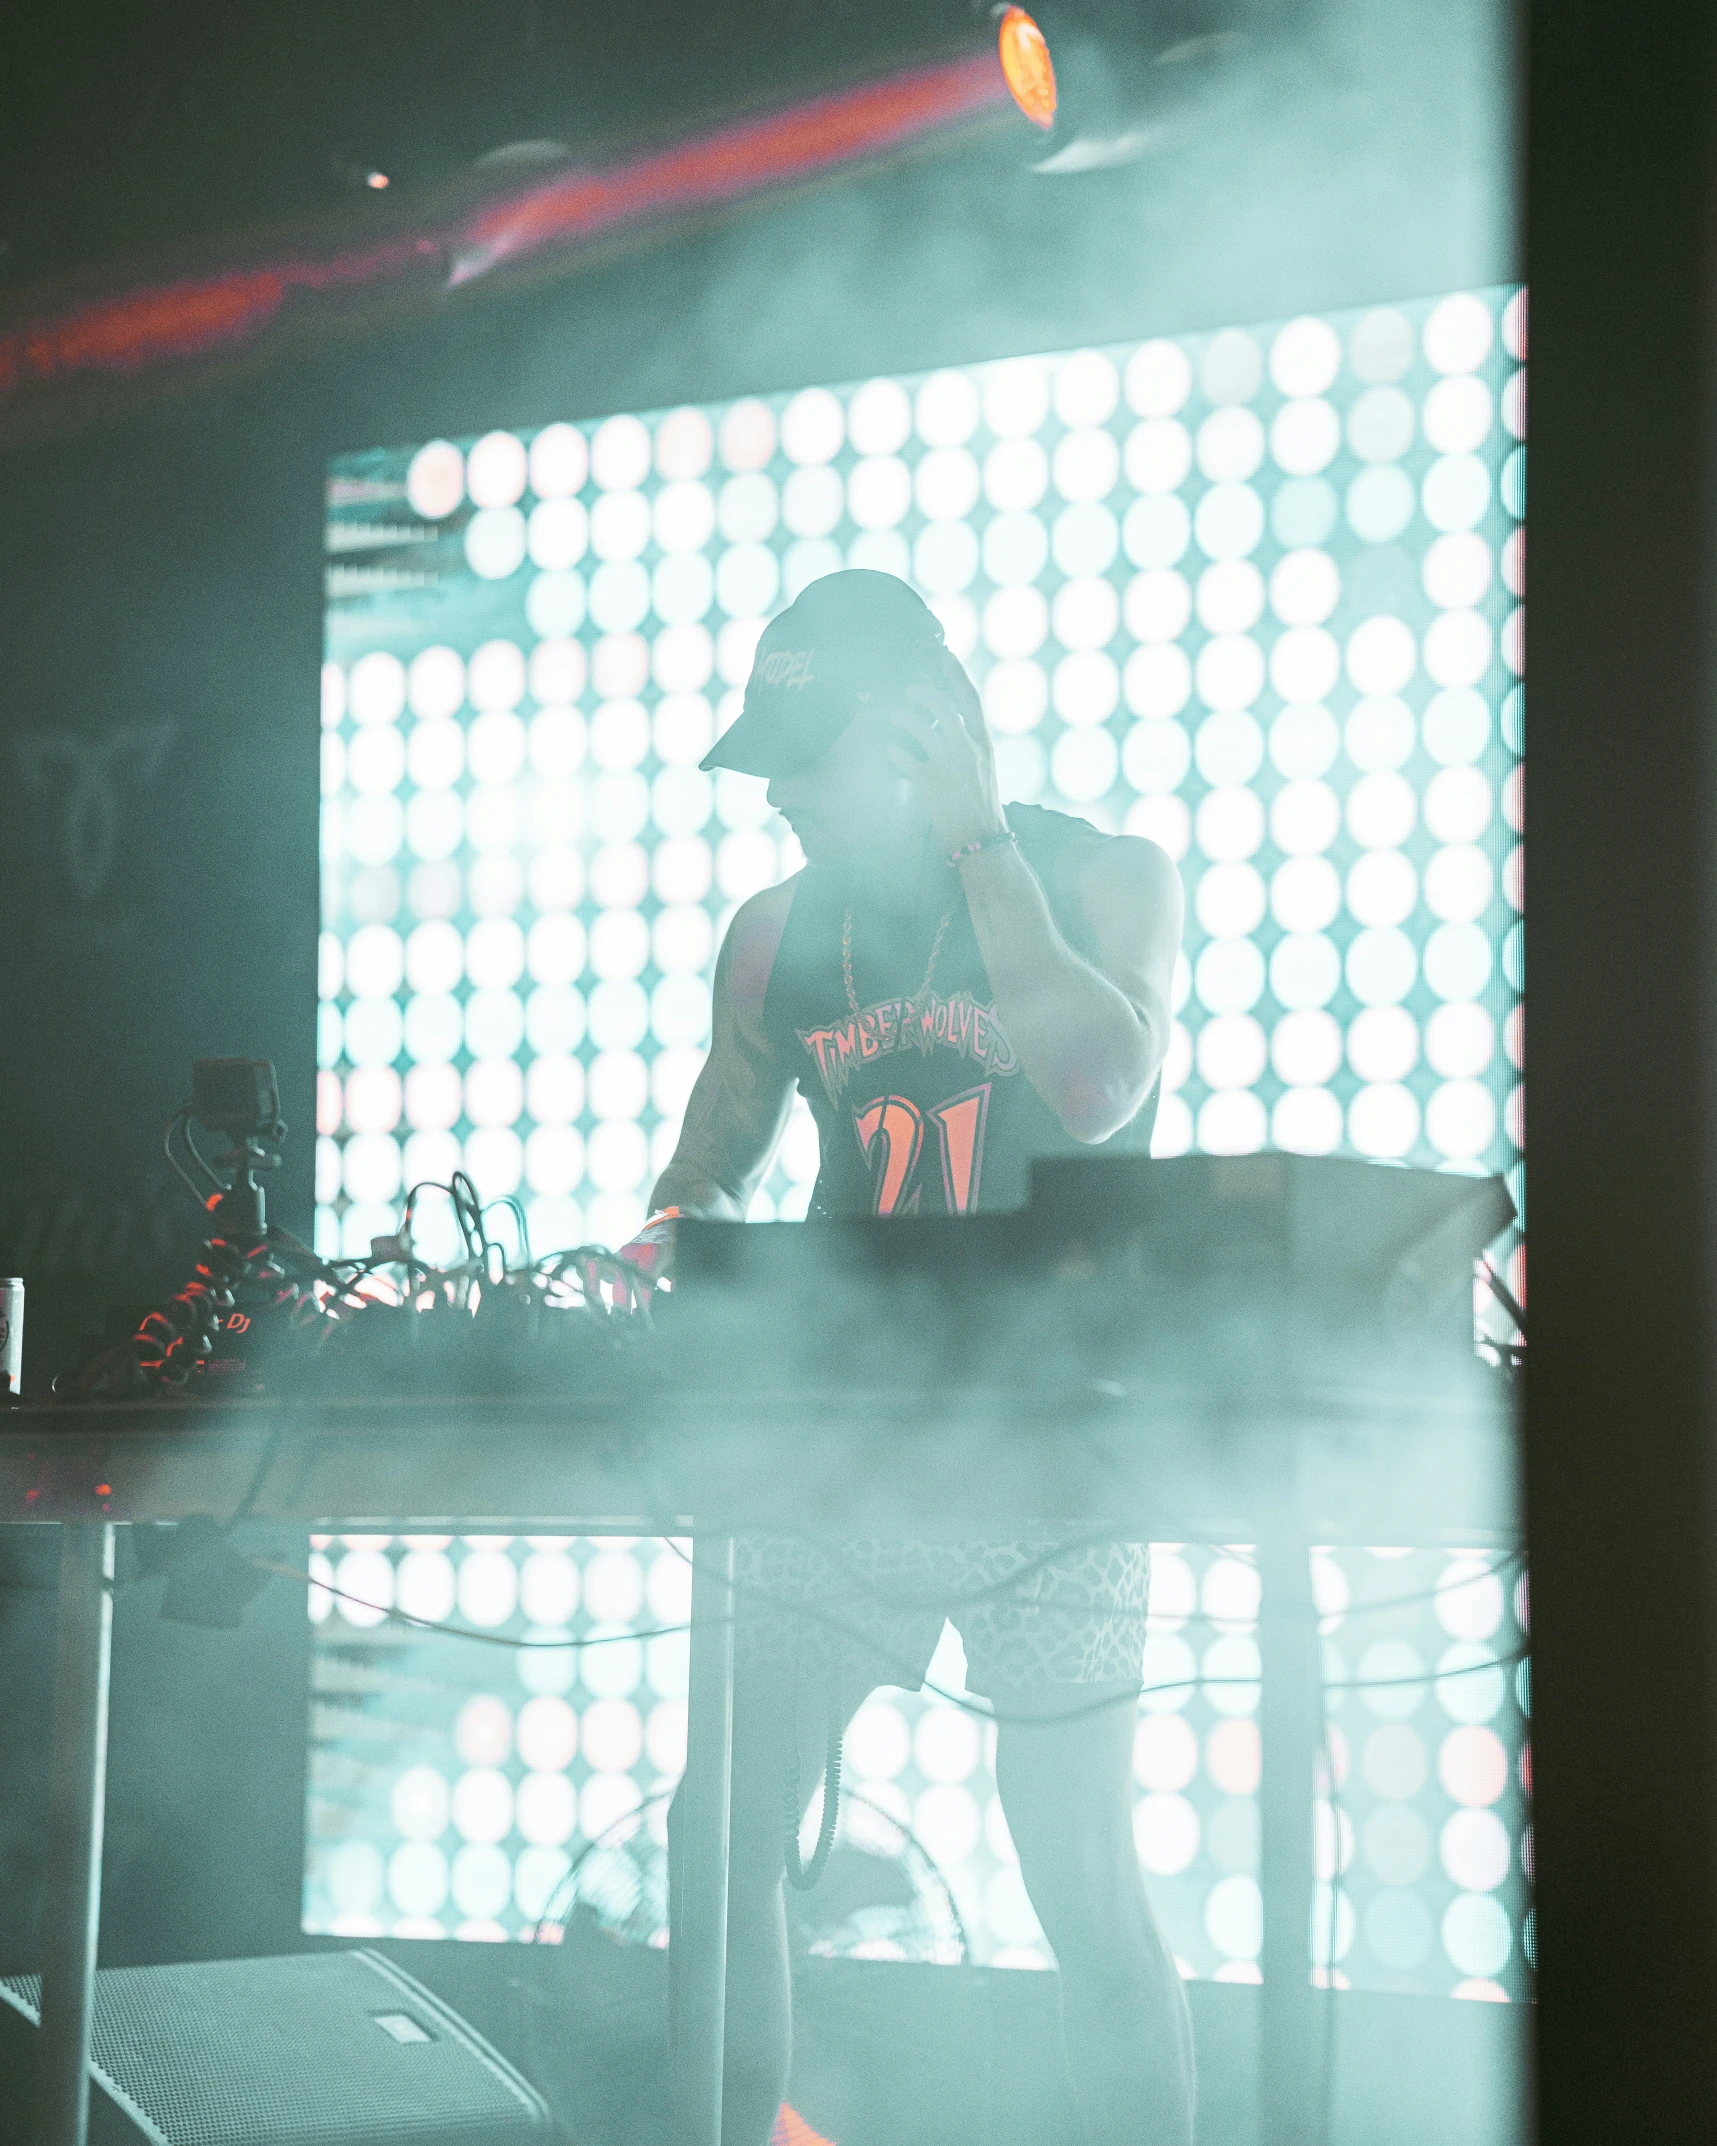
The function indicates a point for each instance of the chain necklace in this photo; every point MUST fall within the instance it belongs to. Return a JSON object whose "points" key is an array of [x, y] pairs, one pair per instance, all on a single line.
{"points": [[930, 966]]}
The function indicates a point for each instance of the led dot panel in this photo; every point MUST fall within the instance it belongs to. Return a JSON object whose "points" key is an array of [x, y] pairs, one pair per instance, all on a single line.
{"points": [[451, 1785], [1254, 594]]}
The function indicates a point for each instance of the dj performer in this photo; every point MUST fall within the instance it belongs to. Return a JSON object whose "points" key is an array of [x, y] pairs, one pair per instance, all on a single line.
{"points": [[955, 989]]}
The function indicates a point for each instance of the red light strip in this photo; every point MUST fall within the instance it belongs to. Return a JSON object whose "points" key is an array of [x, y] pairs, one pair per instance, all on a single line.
{"points": [[161, 325]]}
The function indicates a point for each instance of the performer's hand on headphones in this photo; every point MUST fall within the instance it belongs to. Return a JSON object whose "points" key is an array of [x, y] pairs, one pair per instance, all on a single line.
{"points": [[945, 752]]}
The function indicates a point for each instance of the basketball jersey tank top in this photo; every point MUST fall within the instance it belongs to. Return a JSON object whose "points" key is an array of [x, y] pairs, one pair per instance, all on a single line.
{"points": [[920, 1102]]}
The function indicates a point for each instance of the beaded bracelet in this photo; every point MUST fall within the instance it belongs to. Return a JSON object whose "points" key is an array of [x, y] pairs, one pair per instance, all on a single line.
{"points": [[976, 849]]}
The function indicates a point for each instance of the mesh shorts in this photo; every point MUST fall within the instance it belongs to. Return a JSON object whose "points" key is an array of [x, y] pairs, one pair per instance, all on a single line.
{"points": [[1030, 1612]]}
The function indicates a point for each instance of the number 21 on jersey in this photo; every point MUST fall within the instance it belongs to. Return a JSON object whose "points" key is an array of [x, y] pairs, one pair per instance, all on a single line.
{"points": [[891, 1135]]}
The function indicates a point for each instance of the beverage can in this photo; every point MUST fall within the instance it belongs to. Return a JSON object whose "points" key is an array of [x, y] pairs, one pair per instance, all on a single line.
{"points": [[11, 1334]]}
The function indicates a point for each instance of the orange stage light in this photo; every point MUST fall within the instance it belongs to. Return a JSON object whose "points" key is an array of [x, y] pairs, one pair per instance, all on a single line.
{"points": [[1027, 66]]}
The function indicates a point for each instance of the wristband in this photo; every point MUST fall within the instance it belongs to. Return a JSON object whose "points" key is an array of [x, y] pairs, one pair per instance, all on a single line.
{"points": [[1001, 840]]}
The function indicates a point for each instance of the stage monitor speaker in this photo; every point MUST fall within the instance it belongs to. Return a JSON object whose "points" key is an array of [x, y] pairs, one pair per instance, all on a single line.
{"points": [[315, 2049]]}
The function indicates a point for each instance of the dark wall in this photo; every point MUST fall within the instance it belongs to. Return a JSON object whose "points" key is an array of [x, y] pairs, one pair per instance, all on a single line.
{"points": [[160, 632]]}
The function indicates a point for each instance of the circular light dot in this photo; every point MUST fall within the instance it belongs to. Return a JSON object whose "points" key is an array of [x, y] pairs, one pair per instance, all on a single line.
{"points": [[1230, 445], [620, 454], [1457, 961], [1166, 1833], [1381, 810], [1305, 970], [1383, 1121], [1475, 1850], [1382, 888], [684, 444], [375, 692], [1016, 475], [1155, 755], [435, 480], [1305, 356], [495, 542], [495, 470], [1457, 804], [1383, 1043], [1231, 1051], [1165, 1753], [1306, 1048], [1234, 1917], [1084, 540], [1303, 743], [879, 492], [558, 534], [1457, 727], [1086, 465], [1304, 818], [1229, 976], [1304, 664], [1157, 681], [1394, 1762], [1459, 1041], [1471, 1685], [1083, 764], [745, 438], [547, 1730], [1379, 504], [435, 683], [1086, 614], [1158, 378], [1232, 367], [1229, 671], [1303, 511], [1229, 521], [1016, 396], [1381, 966], [1459, 882], [1157, 606], [1380, 737], [1016, 621], [1380, 425], [1456, 492], [1457, 648], [1476, 1934], [1016, 549], [1230, 599], [612, 1733], [1457, 334], [1305, 587], [559, 462], [1086, 690], [1230, 824], [1381, 345], [1306, 1121], [620, 595], [1382, 655], [1305, 437], [1460, 1120], [555, 604], [1230, 748], [946, 411]]}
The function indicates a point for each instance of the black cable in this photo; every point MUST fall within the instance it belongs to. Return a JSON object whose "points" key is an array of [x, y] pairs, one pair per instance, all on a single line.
{"points": [[988, 1711], [803, 1876], [462, 1631]]}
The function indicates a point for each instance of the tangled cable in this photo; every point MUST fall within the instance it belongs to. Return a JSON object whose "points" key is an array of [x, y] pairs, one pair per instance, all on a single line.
{"points": [[178, 1339]]}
